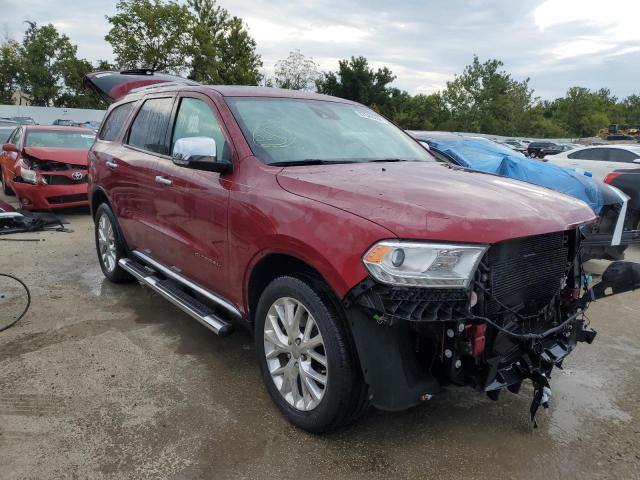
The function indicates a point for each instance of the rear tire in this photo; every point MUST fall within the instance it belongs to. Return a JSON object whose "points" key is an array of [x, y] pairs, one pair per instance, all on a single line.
{"points": [[5, 188], [316, 389], [110, 245]]}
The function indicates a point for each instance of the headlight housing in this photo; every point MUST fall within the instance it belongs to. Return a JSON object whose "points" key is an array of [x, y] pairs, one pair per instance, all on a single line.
{"points": [[435, 265], [29, 176]]}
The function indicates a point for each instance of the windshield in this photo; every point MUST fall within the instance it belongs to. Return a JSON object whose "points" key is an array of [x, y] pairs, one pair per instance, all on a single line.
{"points": [[59, 139], [293, 131]]}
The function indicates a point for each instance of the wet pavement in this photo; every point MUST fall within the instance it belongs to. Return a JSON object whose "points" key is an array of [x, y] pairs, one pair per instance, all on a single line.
{"points": [[111, 381]]}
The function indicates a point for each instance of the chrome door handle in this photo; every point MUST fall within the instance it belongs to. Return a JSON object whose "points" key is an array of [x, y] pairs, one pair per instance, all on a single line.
{"points": [[111, 164], [163, 180]]}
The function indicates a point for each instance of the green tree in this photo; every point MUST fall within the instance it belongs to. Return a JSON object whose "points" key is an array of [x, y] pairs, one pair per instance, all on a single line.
{"points": [[297, 72], [9, 70], [42, 53], [488, 100], [418, 112], [73, 94], [582, 112], [631, 109], [221, 50], [239, 58], [150, 34], [355, 80]]}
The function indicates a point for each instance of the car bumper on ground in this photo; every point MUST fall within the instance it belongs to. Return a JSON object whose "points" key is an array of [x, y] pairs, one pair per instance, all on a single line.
{"points": [[45, 197]]}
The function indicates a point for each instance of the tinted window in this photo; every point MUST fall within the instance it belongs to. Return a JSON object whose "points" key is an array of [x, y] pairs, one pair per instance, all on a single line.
{"points": [[149, 129], [591, 154], [59, 139], [114, 122], [619, 155], [195, 119]]}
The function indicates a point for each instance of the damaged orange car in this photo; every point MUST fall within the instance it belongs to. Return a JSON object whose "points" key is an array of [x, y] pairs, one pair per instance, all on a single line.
{"points": [[46, 167]]}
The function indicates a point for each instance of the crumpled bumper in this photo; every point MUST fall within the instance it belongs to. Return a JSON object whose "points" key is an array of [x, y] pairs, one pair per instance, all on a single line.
{"points": [[45, 197]]}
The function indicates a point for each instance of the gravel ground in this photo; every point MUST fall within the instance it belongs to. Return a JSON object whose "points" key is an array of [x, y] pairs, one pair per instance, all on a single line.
{"points": [[110, 381]]}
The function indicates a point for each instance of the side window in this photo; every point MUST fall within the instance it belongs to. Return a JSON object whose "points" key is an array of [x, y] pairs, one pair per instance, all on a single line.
{"points": [[15, 135], [195, 119], [114, 122], [17, 138], [620, 155], [149, 129], [591, 154]]}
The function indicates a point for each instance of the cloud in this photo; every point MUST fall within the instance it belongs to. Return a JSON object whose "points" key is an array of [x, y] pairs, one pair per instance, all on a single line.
{"points": [[557, 43]]}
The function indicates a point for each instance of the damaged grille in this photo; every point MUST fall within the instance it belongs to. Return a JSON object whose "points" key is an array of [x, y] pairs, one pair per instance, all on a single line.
{"points": [[526, 273], [81, 197], [63, 180]]}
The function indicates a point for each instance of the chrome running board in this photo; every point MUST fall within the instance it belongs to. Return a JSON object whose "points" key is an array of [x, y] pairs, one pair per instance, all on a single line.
{"points": [[167, 272], [169, 290]]}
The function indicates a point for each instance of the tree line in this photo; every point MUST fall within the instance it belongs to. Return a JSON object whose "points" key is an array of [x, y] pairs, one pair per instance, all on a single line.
{"points": [[203, 41]]}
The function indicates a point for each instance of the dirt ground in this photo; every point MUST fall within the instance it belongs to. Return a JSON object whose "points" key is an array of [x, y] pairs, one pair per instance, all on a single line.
{"points": [[109, 381]]}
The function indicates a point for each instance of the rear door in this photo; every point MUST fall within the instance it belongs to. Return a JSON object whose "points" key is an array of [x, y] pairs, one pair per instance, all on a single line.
{"points": [[192, 207], [145, 148]]}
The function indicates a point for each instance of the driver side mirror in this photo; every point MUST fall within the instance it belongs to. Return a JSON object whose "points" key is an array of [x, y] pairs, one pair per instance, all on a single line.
{"points": [[9, 147], [637, 160], [198, 153]]}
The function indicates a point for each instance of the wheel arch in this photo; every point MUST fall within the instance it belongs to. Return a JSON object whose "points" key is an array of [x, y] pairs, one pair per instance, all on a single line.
{"points": [[98, 196], [271, 265]]}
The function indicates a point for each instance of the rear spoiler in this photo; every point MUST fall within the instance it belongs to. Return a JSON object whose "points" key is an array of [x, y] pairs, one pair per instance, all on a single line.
{"points": [[110, 86]]}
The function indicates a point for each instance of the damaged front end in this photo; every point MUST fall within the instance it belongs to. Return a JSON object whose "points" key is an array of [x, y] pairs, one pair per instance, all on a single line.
{"points": [[520, 315], [46, 184]]}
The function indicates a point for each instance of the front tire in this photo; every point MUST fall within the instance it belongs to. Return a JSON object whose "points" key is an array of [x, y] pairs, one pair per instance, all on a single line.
{"points": [[306, 355], [109, 245]]}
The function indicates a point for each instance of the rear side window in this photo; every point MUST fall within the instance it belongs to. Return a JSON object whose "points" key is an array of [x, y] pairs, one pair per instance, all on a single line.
{"points": [[601, 154], [114, 122], [623, 156], [149, 129]]}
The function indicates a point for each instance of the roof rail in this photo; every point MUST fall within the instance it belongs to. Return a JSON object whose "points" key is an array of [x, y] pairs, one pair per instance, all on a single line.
{"points": [[157, 86]]}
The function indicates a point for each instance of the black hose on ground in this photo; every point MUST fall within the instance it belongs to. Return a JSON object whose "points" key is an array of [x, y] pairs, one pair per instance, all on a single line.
{"points": [[26, 308]]}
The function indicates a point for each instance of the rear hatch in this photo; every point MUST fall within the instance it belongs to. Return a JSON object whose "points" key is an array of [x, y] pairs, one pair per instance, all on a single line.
{"points": [[111, 86]]}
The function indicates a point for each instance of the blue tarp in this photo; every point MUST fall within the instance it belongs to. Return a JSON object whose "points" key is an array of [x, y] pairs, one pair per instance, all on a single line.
{"points": [[487, 156]]}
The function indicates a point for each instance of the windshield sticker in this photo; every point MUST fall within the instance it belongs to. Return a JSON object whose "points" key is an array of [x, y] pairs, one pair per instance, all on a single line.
{"points": [[100, 75], [371, 116], [87, 135], [271, 135]]}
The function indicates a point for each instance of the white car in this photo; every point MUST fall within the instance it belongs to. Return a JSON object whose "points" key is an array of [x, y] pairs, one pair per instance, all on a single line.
{"points": [[599, 160]]}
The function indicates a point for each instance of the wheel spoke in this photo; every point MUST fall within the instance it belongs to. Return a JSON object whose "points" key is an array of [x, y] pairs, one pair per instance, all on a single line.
{"points": [[312, 342], [312, 388], [318, 357], [310, 372]]}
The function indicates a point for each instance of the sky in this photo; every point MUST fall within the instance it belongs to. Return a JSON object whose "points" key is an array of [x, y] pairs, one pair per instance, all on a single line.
{"points": [[556, 43]]}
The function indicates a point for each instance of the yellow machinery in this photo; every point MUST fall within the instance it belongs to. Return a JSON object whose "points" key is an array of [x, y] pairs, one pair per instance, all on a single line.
{"points": [[622, 129]]}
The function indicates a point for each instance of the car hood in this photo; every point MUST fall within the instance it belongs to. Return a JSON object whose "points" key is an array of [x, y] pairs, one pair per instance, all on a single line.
{"points": [[433, 201], [73, 156]]}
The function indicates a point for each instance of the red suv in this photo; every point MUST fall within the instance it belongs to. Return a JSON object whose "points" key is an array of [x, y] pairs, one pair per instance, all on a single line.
{"points": [[370, 273]]}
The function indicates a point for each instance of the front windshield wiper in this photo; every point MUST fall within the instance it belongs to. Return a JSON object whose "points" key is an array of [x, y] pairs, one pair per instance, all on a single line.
{"points": [[309, 161]]}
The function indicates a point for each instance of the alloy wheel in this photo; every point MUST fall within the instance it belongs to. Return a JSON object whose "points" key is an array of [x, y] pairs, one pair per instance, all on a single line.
{"points": [[295, 354], [106, 243]]}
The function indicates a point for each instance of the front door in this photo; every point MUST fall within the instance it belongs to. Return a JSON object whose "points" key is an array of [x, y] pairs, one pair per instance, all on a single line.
{"points": [[192, 209]]}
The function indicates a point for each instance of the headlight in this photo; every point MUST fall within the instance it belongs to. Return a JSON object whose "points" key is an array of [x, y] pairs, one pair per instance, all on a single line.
{"points": [[28, 176], [434, 265]]}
